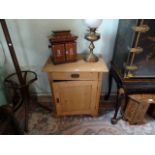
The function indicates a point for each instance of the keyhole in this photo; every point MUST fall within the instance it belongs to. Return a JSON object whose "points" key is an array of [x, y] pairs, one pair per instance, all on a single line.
{"points": [[57, 100]]}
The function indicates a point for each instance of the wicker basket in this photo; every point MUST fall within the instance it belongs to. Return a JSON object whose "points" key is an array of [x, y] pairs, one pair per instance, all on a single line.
{"points": [[137, 107]]}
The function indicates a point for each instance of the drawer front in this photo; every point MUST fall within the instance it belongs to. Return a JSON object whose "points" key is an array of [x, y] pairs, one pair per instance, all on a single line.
{"points": [[73, 76]]}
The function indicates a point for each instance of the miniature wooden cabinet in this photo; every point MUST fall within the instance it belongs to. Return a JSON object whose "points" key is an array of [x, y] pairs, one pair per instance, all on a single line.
{"points": [[76, 86], [63, 47]]}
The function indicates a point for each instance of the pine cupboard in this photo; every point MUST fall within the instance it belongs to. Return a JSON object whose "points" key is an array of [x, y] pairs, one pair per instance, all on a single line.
{"points": [[76, 86]]}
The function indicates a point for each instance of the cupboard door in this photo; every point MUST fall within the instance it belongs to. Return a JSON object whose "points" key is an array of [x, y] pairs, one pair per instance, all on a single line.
{"points": [[75, 97], [70, 51], [58, 51]]}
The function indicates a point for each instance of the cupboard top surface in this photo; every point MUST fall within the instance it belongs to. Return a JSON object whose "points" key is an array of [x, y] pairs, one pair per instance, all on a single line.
{"points": [[79, 66]]}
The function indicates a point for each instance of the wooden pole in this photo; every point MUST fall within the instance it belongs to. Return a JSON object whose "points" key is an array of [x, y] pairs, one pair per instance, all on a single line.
{"points": [[12, 51]]}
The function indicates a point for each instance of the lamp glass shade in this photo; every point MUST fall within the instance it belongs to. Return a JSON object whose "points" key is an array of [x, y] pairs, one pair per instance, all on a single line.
{"points": [[93, 23]]}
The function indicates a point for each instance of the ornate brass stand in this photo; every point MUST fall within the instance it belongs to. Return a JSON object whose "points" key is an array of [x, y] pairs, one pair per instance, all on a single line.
{"points": [[135, 50]]}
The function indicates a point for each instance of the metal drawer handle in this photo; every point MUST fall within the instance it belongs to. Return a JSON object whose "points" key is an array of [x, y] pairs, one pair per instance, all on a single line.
{"points": [[75, 75]]}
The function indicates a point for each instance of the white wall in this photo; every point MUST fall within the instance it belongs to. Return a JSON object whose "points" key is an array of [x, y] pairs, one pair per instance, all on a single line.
{"points": [[31, 43]]}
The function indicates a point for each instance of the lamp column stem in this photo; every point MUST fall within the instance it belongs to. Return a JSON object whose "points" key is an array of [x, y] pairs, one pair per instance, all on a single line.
{"points": [[91, 46], [91, 57]]}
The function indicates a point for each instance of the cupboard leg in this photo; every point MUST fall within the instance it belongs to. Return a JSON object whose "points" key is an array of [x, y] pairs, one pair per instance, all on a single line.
{"points": [[94, 114]]}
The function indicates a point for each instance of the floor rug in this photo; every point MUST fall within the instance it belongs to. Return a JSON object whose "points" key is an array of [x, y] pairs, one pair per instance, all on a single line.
{"points": [[43, 123]]}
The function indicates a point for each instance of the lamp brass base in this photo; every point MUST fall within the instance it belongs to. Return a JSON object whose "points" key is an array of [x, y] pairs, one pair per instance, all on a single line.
{"points": [[91, 58], [92, 36]]}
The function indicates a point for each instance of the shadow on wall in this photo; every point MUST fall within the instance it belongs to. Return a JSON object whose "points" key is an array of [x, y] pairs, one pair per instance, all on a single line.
{"points": [[30, 38]]}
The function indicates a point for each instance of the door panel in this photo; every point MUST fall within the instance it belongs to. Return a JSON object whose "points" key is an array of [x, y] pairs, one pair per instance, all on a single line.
{"points": [[58, 53], [75, 97], [70, 51]]}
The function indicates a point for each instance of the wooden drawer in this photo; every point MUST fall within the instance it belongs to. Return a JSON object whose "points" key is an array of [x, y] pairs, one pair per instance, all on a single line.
{"points": [[73, 76]]}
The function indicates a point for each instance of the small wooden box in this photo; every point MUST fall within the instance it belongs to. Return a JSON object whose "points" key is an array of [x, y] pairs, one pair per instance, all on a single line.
{"points": [[137, 107], [63, 47]]}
